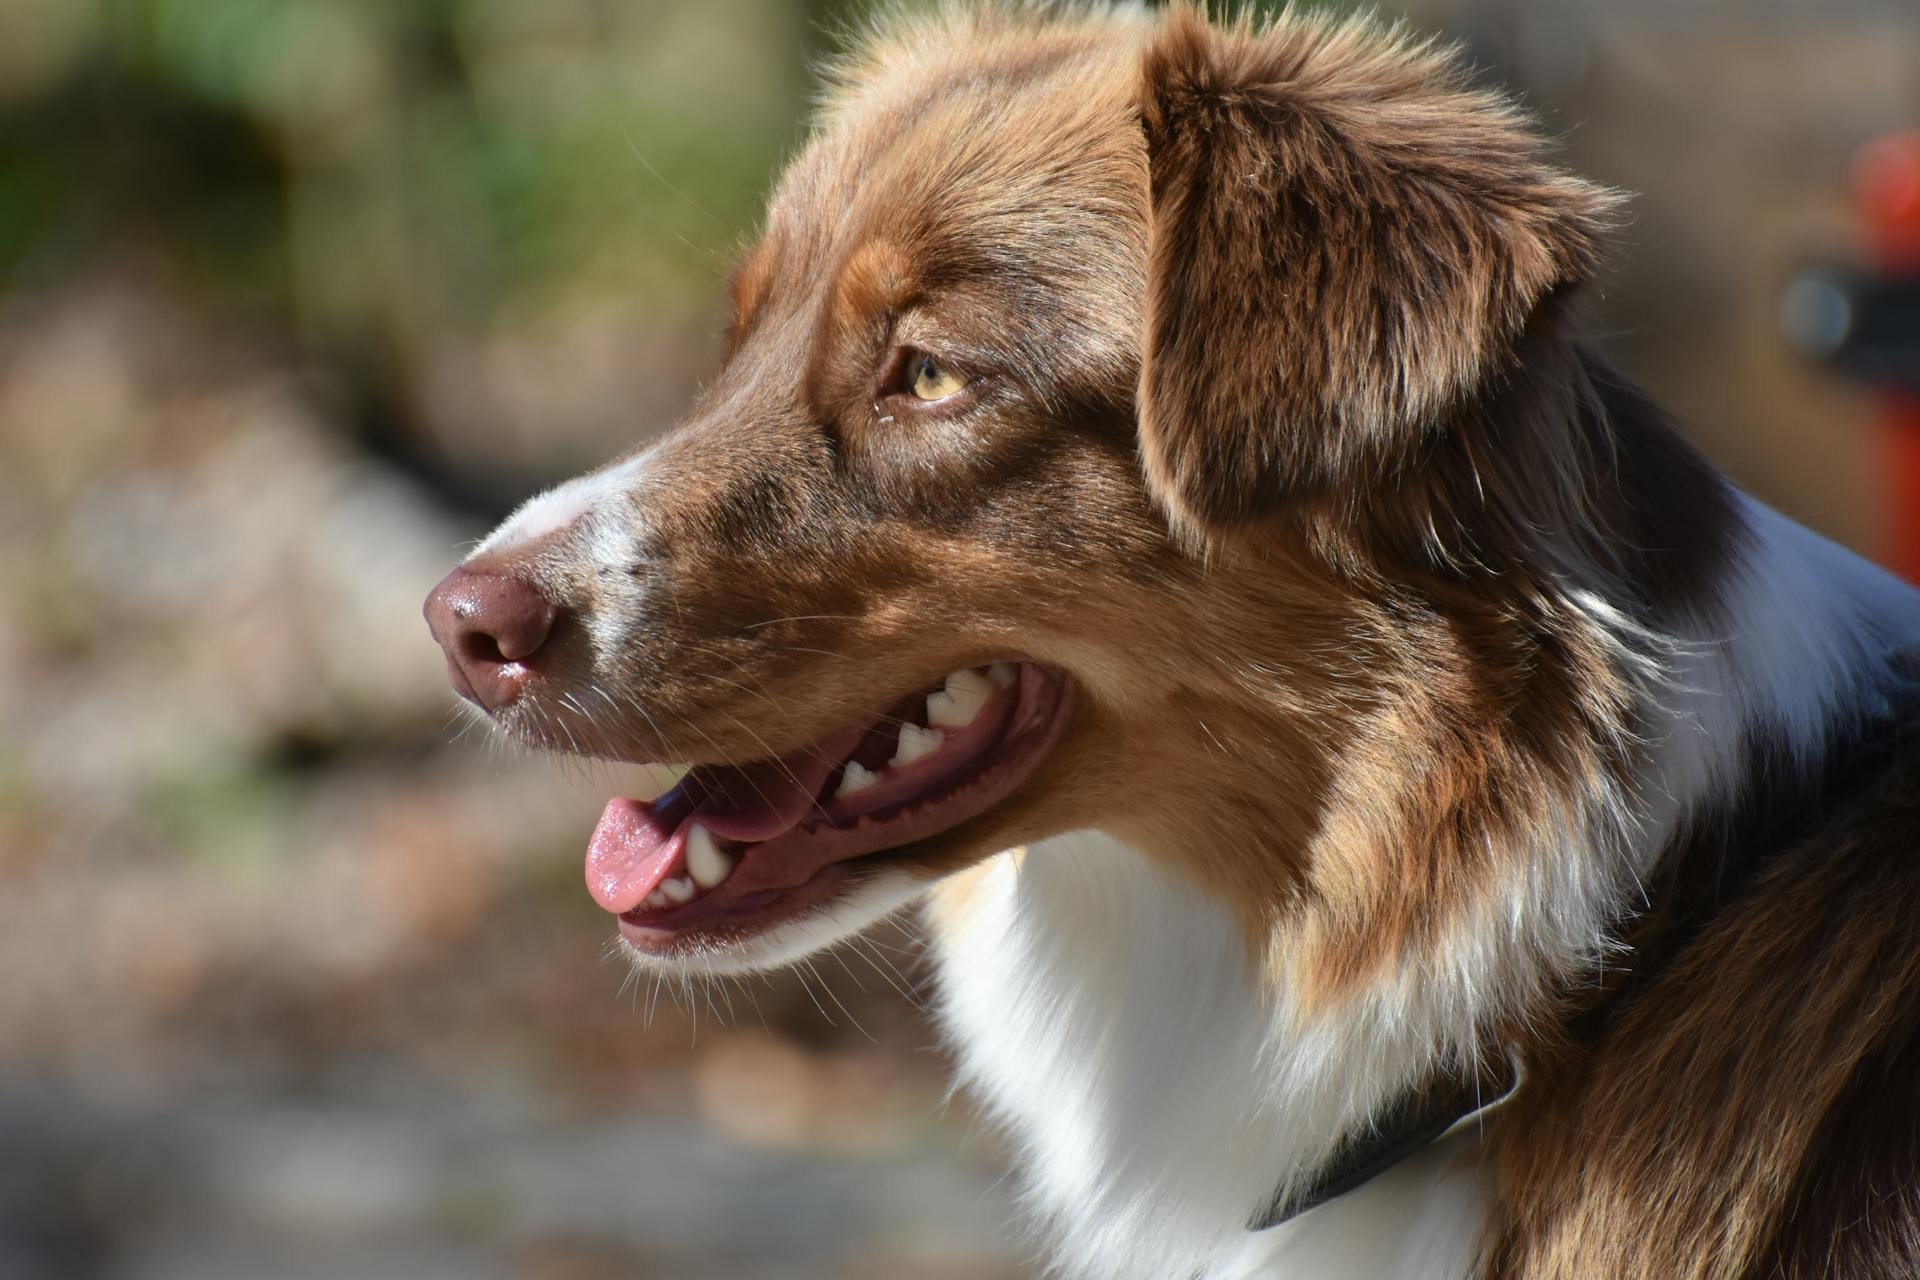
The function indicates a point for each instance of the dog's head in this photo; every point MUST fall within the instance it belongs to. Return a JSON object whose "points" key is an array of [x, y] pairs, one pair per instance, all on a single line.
{"points": [[1068, 394]]}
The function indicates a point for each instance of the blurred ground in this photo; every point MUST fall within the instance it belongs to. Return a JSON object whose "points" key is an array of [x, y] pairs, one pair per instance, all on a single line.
{"points": [[295, 298]]}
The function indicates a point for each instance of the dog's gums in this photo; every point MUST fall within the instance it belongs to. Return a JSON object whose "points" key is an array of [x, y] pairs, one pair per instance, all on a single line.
{"points": [[731, 849]]}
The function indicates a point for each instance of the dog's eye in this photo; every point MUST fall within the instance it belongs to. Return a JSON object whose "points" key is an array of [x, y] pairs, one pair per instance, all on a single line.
{"points": [[929, 381]]}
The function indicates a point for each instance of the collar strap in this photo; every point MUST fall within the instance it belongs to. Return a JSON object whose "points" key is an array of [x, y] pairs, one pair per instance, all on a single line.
{"points": [[1415, 1120]]}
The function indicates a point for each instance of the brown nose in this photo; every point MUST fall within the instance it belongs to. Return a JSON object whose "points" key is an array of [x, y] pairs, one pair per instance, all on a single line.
{"points": [[491, 625]]}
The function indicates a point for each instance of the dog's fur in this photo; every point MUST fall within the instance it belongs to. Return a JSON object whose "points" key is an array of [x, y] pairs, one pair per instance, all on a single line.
{"points": [[1434, 700]]}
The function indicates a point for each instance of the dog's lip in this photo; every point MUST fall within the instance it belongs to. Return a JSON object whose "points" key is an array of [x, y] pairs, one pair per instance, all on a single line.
{"points": [[808, 864]]}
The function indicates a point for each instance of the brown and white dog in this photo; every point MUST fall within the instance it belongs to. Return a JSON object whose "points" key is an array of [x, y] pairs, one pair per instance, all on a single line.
{"points": [[1159, 511]]}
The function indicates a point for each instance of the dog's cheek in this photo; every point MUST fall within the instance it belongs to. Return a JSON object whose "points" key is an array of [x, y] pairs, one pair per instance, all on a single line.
{"points": [[907, 464], [1005, 472]]}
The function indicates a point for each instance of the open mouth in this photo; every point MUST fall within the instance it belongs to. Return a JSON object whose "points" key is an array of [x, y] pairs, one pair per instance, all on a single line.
{"points": [[731, 849]]}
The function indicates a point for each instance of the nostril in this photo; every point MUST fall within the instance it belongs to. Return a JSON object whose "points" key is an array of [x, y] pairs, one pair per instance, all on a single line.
{"points": [[478, 646], [516, 625]]}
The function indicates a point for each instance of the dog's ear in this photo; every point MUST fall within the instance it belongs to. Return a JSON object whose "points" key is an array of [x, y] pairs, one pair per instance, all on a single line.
{"points": [[1345, 242]]}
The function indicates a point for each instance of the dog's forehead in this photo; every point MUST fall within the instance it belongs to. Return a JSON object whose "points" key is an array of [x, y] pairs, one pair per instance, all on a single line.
{"points": [[1016, 176], [1016, 146]]}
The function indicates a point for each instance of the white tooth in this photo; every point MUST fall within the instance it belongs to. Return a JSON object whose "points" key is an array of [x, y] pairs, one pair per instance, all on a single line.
{"points": [[969, 680], [707, 862], [678, 889], [916, 742], [1003, 674], [658, 779], [857, 778], [945, 713], [955, 706], [656, 900]]}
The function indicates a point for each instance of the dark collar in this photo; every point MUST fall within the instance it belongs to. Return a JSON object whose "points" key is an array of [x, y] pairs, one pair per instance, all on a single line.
{"points": [[1413, 1121]]}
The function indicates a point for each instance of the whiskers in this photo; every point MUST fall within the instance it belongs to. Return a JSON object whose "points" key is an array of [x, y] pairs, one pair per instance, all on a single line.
{"points": [[691, 985], [696, 990]]}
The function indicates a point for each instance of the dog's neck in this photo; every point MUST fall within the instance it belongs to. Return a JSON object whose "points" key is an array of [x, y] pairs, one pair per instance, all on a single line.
{"points": [[1160, 1072]]}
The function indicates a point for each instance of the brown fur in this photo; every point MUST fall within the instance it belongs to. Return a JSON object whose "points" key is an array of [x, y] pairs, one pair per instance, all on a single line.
{"points": [[1413, 222], [1281, 441], [1746, 1114]]}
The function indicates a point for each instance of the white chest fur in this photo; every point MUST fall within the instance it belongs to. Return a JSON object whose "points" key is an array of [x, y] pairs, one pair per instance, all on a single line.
{"points": [[1108, 1016]]}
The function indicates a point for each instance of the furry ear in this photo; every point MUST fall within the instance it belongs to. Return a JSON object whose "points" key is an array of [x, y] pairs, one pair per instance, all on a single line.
{"points": [[1345, 241]]}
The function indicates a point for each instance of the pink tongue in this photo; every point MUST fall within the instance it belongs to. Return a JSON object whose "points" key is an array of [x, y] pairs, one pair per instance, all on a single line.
{"points": [[637, 845], [630, 854]]}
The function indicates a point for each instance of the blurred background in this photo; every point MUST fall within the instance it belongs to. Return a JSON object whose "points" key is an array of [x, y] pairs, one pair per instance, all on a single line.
{"points": [[298, 296]]}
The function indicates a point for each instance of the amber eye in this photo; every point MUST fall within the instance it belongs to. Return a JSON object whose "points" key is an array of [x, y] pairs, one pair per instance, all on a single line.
{"points": [[927, 380]]}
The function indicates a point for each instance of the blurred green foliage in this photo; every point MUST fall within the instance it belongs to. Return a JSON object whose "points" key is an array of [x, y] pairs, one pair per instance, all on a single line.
{"points": [[375, 172]]}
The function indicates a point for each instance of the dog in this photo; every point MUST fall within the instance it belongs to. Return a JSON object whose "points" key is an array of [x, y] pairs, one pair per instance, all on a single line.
{"points": [[1381, 803]]}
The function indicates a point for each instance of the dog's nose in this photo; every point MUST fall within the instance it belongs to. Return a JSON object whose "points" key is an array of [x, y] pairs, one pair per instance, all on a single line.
{"points": [[491, 626]]}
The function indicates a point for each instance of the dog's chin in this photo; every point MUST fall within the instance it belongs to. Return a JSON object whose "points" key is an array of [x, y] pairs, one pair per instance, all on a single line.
{"points": [[753, 865], [780, 941]]}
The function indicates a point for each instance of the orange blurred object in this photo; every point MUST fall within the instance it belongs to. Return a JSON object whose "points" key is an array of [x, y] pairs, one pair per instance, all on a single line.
{"points": [[1887, 181], [1887, 185]]}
